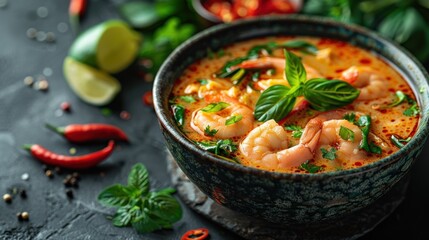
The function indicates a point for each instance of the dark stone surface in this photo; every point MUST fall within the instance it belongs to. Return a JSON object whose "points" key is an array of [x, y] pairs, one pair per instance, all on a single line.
{"points": [[24, 111]]}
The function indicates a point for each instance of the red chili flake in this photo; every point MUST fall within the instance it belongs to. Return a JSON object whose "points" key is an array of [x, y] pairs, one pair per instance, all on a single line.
{"points": [[196, 234], [65, 106], [358, 163], [147, 98], [125, 115], [365, 61]]}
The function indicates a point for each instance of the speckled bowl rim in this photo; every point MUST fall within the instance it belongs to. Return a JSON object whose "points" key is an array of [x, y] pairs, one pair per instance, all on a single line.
{"points": [[419, 137]]}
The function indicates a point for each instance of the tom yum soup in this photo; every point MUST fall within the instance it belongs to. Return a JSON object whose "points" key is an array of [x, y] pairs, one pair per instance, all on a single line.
{"points": [[286, 104]]}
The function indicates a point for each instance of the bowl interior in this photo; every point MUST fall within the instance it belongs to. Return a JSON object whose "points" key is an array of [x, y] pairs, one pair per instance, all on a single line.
{"points": [[292, 25]]}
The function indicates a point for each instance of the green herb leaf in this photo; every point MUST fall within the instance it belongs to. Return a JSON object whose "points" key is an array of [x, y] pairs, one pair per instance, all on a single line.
{"points": [[233, 119], [347, 134], [309, 167], [179, 114], [115, 195], [164, 207], [398, 141], [122, 217], [215, 107], [364, 122], [274, 103], [301, 45], [224, 147], [145, 222], [238, 76], [324, 94], [139, 178], [351, 117], [203, 81], [412, 111], [188, 99], [294, 70], [330, 155], [140, 14], [374, 148], [400, 97], [210, 132], [296, 130], [255, 76]]}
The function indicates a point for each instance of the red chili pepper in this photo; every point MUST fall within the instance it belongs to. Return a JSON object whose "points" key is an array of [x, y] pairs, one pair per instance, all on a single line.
{"points": [[76, 10], [196, 234], [74, 162], [88, 132]]}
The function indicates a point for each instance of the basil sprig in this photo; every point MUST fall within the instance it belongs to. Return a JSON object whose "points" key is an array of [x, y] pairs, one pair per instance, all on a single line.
{"points": [[322, 94], [137, 206]]}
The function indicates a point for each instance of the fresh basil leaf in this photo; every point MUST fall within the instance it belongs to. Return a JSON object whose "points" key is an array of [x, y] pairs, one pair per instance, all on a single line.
{"points": [[139, 178], [115, 195], [365, 123], [164, 206], [412, 111], [233, 119], [274, 103], [122, 217], [330, 155], [374, 148], [351, 117], [347, 134], [227, 71], [178, 114], [210, 132], [296, 130], [215, 107], [324, 94], [301, 45], [188, 99], [400, 98], [294, 70], [309, 167]]}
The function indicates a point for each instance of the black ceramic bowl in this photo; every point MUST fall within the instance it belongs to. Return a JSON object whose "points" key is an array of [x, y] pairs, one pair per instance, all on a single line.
{"points": [[284, 197]]}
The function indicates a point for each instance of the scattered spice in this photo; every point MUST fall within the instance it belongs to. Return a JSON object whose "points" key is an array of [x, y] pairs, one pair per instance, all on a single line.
{"points": [[69, 193], [62, 27], [41, 36], [49, 173], [75, 162], [125, 115], [72, 151], [42, 12], [72, 180], [196, 234], [43, 85], [89, 132], [50, 37], [65, 106], [23, 193], [147, 98], [23, 216], [28, 81], [25, 176], [58, 170], [7, 198], [107, 112], [47, 71], [31, 33]]}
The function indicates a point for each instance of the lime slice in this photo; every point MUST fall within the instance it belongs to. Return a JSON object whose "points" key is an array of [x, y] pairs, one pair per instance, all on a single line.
{"points": [[110, 46], [91, 85]]}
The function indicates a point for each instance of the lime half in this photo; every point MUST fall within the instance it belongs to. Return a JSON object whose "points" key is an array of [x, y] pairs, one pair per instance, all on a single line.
{"points": [[91, 85], [111, 46]]}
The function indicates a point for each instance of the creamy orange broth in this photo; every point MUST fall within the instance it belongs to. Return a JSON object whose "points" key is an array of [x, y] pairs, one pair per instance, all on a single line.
{"points": [[332, 59]]}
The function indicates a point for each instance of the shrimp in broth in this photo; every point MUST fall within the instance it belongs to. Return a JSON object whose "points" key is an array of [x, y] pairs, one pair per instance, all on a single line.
{"points": [[220, 97]]}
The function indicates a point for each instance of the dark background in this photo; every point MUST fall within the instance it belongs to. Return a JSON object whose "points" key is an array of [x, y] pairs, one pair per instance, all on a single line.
{"points": [[24, 111]]}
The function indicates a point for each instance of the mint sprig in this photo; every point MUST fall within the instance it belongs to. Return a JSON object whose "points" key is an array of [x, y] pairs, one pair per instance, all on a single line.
{"points": [[139, 207]]}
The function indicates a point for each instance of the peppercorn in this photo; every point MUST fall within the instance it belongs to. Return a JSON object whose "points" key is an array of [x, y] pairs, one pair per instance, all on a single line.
{"points": [[23, 216], [65, 106], [69, 193], [58, 170], [49, 173], [7, 198], [76, 175], [23, 193]]}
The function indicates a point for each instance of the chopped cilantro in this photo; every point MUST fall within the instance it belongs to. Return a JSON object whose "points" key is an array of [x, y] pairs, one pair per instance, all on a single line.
{"points": [[224, 147], [309, 167], [296, 130], [330, 155], [351, 117], [210, 132], [412, 111]]}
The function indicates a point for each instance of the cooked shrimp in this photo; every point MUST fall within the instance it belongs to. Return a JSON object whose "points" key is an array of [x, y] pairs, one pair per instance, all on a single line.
{"points": [[368, 81], [266, 145], [346, 149], [274, 62], [217, 120]]}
